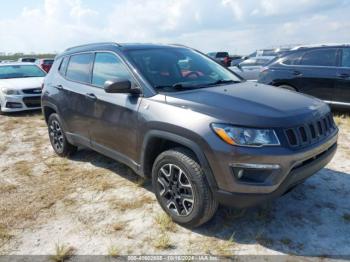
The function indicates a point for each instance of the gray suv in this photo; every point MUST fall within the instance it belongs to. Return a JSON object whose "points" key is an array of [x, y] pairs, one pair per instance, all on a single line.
{"points": [[196, 129]]}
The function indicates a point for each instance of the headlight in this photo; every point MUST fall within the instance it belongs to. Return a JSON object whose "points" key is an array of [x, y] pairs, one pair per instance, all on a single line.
{"points": [[242, 136], [8, 91]]}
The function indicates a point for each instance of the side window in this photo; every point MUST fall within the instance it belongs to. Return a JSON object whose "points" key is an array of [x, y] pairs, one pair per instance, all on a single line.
{"points": [[63, 66], [292, 59], [108, 66], [79, 68], [345, 61], [323, 57]]}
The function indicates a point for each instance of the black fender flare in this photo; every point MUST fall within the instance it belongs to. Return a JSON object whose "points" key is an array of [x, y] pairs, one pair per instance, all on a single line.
{"points": [[185, 142]]}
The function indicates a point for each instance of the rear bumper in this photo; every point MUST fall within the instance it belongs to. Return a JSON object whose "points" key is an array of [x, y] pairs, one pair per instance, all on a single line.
{"points": [[296, 176]]}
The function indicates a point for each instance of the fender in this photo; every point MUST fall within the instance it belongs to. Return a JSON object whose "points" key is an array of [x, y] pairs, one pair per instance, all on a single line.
{"points": [[185, 142]]}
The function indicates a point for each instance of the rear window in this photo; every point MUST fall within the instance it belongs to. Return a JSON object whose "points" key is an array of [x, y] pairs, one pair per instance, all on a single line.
{"points": [[222, 54], [79, 68], [322, 57], [268, 53], [48, 62], [28, 60]]}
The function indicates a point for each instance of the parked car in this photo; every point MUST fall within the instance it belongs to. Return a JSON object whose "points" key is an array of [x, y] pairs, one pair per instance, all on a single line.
{"points": [[250, 68], [266, 53], [20, 87], [222, 57], [27, 60], [323, 72], [45, 63], [202, 135]]}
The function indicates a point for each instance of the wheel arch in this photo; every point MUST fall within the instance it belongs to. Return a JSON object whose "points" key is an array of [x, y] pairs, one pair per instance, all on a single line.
{"points": [[157, 141]]}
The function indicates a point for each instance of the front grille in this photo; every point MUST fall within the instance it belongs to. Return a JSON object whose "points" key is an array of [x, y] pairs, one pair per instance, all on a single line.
{"points": [[310, 133], [32, 101], [32, 91]]}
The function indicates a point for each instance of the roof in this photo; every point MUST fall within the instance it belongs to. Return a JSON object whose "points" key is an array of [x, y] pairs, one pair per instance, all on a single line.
{"points": [[16, 64], [320, 46], [120, 46]]}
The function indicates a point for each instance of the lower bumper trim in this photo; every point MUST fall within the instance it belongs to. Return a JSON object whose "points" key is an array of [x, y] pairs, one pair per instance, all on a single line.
{"points": [[297, 176]]}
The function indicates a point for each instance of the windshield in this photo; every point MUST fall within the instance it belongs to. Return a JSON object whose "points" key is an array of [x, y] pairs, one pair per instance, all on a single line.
{"points": [[20, 71], [175, 69]]}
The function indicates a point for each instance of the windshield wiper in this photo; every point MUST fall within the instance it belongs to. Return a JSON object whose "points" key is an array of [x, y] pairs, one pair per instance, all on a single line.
{"points": [[222, 81], [178, 87]]}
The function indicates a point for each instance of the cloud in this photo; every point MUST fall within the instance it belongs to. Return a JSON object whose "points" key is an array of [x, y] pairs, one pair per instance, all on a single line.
{"points": [[233, 25]]}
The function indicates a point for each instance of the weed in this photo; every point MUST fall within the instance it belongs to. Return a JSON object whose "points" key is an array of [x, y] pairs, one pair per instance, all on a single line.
{"points": [[62, 253]]}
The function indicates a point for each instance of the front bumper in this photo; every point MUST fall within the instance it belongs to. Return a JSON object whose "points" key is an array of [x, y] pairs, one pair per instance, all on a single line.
{"points": [[296, 176], [288, 167], [16, 103]]}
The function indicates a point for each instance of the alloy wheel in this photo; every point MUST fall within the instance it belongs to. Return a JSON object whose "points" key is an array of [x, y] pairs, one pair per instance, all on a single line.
{"points": [[56, 135], [175, 190]]}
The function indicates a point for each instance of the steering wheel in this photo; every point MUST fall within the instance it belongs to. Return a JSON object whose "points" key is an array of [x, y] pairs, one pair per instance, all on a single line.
{"points": [[192, 73]]}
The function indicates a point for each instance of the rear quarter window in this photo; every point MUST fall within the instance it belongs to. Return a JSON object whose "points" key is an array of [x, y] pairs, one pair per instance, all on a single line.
{"points": [[63, 66]]}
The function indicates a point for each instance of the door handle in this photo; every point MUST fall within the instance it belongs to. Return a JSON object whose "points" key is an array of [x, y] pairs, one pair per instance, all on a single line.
{"points": [[59, 87], [297, 73], [91, 96], [344, 75]]}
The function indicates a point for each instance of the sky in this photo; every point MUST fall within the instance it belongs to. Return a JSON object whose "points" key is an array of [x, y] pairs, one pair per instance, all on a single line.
{"points": [[237, 26]]}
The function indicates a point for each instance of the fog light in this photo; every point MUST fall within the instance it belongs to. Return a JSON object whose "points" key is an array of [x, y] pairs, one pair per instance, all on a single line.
{"points": [[238, 173], [13, 105], [254, 173]]}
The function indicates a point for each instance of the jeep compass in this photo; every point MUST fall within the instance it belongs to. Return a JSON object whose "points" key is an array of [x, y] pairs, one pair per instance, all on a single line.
{"points": [[172, 114]]}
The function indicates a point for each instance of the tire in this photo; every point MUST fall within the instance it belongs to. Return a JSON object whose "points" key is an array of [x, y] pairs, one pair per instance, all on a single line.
{"points": [[58, 139], [288, 87], [182, 189]]}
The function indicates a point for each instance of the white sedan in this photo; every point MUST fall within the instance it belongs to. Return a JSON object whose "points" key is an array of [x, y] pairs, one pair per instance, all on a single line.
{"points": [[20, 87]]}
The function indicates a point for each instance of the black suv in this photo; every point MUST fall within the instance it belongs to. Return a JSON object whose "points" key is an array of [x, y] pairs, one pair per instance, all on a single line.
{"points": [[323, 72], [175, 115]]}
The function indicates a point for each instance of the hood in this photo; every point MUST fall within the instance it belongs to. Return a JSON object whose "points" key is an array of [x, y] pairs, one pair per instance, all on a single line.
{"points": [[251, 104], [21, 83]]}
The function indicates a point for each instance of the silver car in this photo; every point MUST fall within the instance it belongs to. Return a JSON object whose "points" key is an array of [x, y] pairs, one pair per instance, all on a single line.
{"points": [[250, 68], [20, 87]]}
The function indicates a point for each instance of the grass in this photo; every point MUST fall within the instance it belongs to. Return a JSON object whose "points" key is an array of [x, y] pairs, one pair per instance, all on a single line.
{"points": [[113, 251], [7, 188], [163, 242], [105, 185], [127, 204], [63, 253], [4, 234], [118, 226], [165, 222], [23, 167]]}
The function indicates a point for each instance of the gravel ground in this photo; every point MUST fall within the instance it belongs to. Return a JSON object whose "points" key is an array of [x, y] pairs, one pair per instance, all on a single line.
{"points": [[92, 205]]}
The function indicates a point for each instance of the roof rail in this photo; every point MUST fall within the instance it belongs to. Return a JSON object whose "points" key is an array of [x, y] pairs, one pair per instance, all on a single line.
{"points": [[319, 45], [92, 44]]}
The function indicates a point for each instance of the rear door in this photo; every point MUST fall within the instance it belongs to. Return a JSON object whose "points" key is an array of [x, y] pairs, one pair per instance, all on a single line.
{"points": [[342, 89], [77, 105], [317, 72], [115, 123]]}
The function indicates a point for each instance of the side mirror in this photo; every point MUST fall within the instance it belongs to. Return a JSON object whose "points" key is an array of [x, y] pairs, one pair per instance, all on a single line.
{"points": [[120, 86]]}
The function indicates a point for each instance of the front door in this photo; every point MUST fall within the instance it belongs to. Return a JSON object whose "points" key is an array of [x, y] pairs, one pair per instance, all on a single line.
{"points": [[317, 72], [114, 130]]}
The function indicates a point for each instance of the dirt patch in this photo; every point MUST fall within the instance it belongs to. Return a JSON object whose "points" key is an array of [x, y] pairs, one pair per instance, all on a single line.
{"points": [[90, 204]]}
